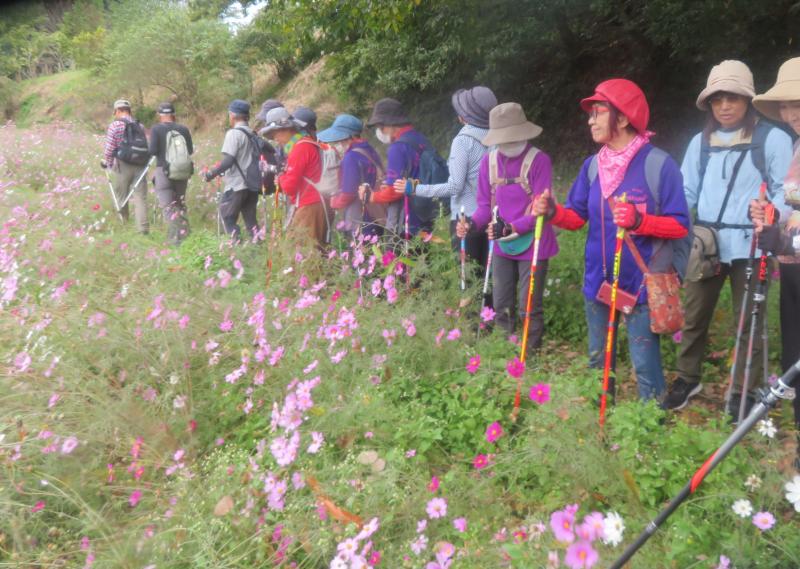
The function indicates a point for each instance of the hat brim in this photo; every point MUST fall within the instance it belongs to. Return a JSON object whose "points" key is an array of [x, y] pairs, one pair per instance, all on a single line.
{"points": [[389, 121], [728, 86], [769, 103], [514, 133], [586, 104], [333, 134]]}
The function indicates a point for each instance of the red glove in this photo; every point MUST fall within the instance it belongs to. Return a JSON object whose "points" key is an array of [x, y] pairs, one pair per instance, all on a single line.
{"points": [[627, 216]]}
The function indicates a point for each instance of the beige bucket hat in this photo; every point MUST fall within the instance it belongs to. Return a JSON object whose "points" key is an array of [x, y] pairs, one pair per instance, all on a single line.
{"points": [[786, 88], [731, 76], [508, 123]]}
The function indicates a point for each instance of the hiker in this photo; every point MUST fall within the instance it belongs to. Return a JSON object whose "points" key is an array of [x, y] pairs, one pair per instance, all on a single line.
{"points": [[126, 155], [631, 184], [308, 121], [509, 177], [240, 156], [171, 144], [723, 169], [782, 103], [404, 159], [303, 168], [360, 165], [261, 118], [467, 150]]}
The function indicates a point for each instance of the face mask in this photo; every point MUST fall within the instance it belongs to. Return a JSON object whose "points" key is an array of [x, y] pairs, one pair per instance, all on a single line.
{"points": [[512, 149], [340, 147], [384, 138]]}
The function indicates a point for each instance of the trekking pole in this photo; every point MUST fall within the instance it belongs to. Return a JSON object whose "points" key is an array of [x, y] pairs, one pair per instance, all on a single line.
{"points": [[273, 231], [113, 195], [783, 389], [748, 273], [462, 219], [758, 297], [537, 236], [409, 189], [612, 319], [488, 273], [138, 181]]}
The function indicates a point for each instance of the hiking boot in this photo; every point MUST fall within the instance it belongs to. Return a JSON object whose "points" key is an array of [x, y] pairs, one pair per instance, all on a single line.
{"points": [[732, 407], [680, 393]]}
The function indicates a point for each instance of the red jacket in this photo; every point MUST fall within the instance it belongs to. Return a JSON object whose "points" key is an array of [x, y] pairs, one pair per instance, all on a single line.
{"points": [[304, 161]]}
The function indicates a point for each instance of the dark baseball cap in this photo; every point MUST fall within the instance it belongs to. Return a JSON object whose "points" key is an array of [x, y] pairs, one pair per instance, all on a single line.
{"points": [[166, 109]]}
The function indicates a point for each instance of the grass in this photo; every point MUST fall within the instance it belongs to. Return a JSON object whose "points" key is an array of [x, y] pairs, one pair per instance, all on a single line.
{"points": [[151, 396]]}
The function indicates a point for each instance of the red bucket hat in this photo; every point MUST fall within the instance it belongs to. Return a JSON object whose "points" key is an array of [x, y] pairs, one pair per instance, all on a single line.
{"points": [[626, 96]]}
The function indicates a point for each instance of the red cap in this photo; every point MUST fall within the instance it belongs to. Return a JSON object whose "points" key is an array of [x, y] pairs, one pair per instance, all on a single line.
{"points": [[626, 96]]}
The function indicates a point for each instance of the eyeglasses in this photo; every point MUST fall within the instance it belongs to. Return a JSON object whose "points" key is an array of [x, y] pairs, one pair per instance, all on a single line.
{"points": [[598, 110]]}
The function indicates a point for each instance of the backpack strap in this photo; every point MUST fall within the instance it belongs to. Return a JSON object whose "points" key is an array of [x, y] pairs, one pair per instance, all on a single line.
{"points": [[527, 163], [759, 148], [366, 155], [591, 171], [653, 164]]}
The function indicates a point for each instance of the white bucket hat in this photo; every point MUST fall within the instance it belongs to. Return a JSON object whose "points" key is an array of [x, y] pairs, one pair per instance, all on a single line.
{"points": [[786, 88], [731, 76], [508, 123]]}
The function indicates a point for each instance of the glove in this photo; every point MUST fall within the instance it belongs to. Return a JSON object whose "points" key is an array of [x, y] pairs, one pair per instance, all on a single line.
{"points": [[501, 229], [409, 188], [103, 164], [207, 176], [462, 228], [627, 216], [773, 240]]}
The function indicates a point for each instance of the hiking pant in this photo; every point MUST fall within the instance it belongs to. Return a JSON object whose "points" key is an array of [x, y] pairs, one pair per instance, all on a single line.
{"points": [[231, 205], [643, 345], [124, 176], [790, 323], [309, 223], [395, 218], [171, 195], [511, 279], [699, 303]]}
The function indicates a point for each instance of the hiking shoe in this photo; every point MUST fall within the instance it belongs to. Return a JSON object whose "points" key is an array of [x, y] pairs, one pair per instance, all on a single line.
{"points": [[680, 393], [732, 408]]}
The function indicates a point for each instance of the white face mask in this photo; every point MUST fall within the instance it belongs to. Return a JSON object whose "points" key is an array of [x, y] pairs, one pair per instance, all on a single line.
{"points": [[384, 138], [341, 147], [512, 149]]}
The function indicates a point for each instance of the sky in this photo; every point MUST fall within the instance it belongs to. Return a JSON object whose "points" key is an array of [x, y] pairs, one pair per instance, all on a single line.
{"points": [[237, 16]]}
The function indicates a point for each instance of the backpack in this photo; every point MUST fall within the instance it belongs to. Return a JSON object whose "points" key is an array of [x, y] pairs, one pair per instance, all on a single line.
{"points": [[265, 155], [515, 244], [328, 183], [680, 248], [432, 170], [178, 164], [132, 148], [253, 177]]}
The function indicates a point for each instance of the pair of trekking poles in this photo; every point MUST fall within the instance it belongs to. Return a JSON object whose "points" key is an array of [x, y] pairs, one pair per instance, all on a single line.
{"points": [[117, 205]]}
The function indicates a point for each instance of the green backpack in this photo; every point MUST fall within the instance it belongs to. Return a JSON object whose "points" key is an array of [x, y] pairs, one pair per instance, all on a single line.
{"points": [[179, 165]]}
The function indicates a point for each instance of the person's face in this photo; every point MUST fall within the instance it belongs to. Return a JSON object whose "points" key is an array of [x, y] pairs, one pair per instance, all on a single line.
{"points": [[119, 113], [599, 123], [729, 109], [790, 114], [283, 135]]}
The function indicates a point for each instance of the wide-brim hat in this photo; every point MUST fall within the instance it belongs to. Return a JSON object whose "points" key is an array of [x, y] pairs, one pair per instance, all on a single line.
{"points": [[508, 123], [277, 119], [626, 96], [474, 105], [343, 127], [266, 107], [786, 88], [730, 76], [388, 112]]}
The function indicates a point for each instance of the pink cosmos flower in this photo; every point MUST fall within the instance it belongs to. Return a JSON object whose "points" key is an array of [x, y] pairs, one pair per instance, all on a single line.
{"points": [[453, 334], [487, 314], [134, 498], [553, 562], [411, 330], [540, 393], [474, 363], [436, 508], [411, 453], [763, 520], [22, 362], [422, 525], [433, 485], [592, 527], [37, 507], [69, 444], [562, 523], [724, 563], [460, 524], [494, 431], [391, 295], [515, 368], [480, 462], [677, 337], [580, 555], [387, 258]]}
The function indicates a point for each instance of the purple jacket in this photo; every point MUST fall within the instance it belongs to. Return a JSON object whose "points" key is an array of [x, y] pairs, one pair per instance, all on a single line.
{"points": [[357, 169], [512, 200]]}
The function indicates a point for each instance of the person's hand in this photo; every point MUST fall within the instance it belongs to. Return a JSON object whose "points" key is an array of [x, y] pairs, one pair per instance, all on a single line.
{"points": [[499, 229], [544, 204], [400, 185], [103, 164], [364, 193], [207, 175], [626, 215], [758, 213], [462, 228]]}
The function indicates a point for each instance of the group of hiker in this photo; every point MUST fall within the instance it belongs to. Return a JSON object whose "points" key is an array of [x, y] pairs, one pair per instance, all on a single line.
{"points": [[653, 226]]}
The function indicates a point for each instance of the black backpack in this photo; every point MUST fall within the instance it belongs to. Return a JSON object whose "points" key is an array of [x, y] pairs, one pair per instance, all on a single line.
{"points": [[432, 170], [132, 148], [260, 150]]}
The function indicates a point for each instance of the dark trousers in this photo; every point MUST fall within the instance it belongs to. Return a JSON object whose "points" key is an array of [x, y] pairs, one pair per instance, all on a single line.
{"points": [[234, 203], [511, 280], [699, 304], [790, 322]]}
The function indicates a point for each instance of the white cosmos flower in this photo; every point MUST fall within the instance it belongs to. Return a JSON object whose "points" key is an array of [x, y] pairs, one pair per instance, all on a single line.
{"points": [[767, 428], [793, 492], [613, 528], [742, 508], [752, 483]]}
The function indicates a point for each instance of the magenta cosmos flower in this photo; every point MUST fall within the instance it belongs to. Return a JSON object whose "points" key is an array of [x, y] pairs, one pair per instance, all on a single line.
{"points": [[494, 432], [474, 364], [562, 523], [480, 462], [515, 368], [580, 555], [540, 393]]}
